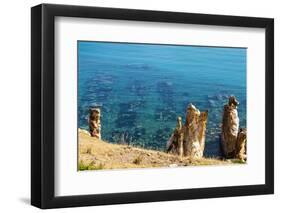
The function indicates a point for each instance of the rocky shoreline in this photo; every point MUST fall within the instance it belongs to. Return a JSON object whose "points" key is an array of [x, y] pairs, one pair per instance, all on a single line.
{"points": [[189, 139], [186, 145]]}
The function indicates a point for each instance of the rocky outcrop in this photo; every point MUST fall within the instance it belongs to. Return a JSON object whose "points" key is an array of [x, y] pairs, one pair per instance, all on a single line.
{"points": [[94, 122], [202, 129], [233, 140], [241, 144], [230, 127], [175, 143], [195, 132], [189, 140]]}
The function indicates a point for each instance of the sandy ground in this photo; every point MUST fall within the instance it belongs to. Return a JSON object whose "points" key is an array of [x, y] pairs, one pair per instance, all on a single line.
{"points": [[96, 154]]}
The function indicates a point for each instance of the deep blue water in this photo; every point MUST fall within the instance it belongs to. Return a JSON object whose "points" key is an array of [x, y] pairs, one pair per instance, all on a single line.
{"points": [[142, 88]]}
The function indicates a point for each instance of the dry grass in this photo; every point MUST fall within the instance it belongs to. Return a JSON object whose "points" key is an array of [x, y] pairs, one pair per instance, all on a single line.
{"points": [[96, 154]]}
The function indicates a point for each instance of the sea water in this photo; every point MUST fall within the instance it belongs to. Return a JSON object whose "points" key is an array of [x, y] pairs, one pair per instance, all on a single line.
{"points": [[142, 89]]}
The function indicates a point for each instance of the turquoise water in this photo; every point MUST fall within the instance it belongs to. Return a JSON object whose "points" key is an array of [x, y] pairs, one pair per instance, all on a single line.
{"points": [[142, 88]]}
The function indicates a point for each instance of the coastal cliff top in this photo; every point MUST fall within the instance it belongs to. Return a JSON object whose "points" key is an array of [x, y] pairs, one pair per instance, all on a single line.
{"points": [[95, 154]]}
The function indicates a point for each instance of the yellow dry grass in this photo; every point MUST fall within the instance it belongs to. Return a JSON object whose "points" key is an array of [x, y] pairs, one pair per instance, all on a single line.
{"points": [[96, 154]]}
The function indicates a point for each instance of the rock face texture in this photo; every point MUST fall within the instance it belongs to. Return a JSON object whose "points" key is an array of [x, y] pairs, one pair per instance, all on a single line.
{"points": [[189, 140], [233, 140], [230, 127], [195, 132], [202, 129], [175, 143], [94, 122], [241, 144]]}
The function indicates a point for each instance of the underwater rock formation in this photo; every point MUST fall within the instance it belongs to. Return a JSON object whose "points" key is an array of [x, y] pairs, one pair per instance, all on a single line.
{"points": [[165, 114], [94, 122], [230, 128], [195, 132], [241, 144], [127, 116]]}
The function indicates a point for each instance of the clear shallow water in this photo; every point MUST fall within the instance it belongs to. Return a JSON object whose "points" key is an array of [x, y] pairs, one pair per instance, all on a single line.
{"points": [[142, 88]]}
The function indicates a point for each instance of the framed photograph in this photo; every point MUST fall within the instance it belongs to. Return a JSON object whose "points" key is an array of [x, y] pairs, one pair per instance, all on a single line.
{"points": [[139, 106]]}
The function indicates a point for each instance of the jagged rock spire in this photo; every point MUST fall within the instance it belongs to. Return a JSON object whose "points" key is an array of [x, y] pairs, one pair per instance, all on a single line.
{"points": [[189, 140], [233, 139], [195, 132]]}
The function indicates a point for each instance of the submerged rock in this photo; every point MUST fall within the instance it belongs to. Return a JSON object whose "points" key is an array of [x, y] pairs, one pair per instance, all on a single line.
{"points": [[160, 137], [138, 133], [126, 120], [138, 88], [127, 115]]}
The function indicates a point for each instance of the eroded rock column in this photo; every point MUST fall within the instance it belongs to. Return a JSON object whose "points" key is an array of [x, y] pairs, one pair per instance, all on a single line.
{"points": [[195, 132], [230, 128], [241, 144], [202, 129], [94, 122], [175, 143]]}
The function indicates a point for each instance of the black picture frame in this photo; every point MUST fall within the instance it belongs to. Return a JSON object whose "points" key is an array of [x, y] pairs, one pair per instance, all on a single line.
{"points": [[43, 102]]}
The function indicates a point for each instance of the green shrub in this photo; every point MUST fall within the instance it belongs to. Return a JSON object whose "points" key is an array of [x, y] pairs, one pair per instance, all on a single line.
{"points": [[92, 166]]}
